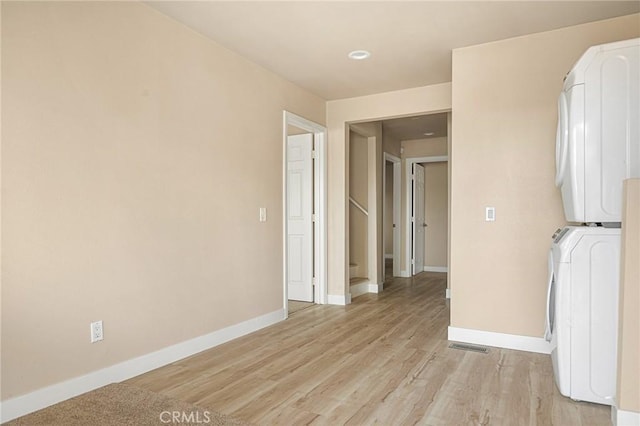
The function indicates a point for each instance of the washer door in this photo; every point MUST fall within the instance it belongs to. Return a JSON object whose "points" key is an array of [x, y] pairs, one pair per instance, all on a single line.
{"points": [[551, 300]]}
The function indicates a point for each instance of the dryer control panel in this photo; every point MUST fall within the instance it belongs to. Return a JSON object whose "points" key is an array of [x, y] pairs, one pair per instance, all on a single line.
{"points": [[557, 236]]}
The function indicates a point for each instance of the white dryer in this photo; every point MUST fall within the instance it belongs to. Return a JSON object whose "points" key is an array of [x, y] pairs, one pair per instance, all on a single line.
{"points": [[598, 134], [582, 311]]}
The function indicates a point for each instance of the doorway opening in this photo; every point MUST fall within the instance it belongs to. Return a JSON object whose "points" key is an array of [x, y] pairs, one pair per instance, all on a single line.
{"points": [[384, 158], [391, 196], [365, 209], [304, 212], [428, 207]]}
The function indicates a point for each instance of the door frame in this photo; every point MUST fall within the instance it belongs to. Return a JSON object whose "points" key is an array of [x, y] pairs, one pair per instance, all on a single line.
{"points": [[397, 215], [417, 264], [409, 162], [319, 205]]}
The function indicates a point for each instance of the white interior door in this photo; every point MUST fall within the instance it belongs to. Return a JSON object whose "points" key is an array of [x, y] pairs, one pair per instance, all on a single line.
{"points": [[299, 217], [396, 219], [418, 219]]}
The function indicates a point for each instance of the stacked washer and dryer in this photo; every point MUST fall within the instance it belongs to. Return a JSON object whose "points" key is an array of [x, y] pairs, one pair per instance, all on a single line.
{"points": [[597, 148]]}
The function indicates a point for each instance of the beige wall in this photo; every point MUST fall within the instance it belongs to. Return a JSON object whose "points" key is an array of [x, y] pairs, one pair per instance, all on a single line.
{"points": [[359, 191], [390, 145], [399, 103], [504, 118], [436, 214], [388, 209], [629, 325], [427, 147], [135, 156]]}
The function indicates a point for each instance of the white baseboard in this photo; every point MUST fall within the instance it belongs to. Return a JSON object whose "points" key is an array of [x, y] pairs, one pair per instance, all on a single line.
{"points": [[436, 268], [376, 288], [41, 398], [364, 288], [500, 340], [359, 289], [624, 418], [388, 256], [338, 299], [447, 293]]}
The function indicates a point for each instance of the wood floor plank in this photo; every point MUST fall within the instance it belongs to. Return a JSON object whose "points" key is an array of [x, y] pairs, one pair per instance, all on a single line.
{"points": [[384, 359]]}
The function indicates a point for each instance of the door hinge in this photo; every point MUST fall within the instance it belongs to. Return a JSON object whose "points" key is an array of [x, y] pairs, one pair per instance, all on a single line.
{"points": [[313, 218], [314, 281], [313, 153], [413, 261]]}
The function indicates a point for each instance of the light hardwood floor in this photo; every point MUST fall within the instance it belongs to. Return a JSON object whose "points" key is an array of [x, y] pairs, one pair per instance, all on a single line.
{"points": [[384, 359]]}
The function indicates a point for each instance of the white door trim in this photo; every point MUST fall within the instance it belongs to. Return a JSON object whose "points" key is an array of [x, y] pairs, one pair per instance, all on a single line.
{"points": [[418, 219], [319, 202], [397, 171], [409, 162]]}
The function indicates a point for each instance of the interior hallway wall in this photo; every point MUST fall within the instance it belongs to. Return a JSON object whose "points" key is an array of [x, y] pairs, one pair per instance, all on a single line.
{"points": [[436, 201], [390, 145], [136, 154]]}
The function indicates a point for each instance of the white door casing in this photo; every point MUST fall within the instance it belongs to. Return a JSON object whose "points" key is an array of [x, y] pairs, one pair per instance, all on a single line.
{"points": [[320, 241], [418, 219], [299, 217]]}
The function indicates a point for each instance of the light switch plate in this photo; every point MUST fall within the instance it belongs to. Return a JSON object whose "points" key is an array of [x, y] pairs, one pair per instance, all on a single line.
{"points": [[490, 214], [263, 214]]}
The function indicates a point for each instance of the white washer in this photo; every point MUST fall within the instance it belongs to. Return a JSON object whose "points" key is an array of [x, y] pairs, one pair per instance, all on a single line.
{"points": [[582, 311], [598, 137]]}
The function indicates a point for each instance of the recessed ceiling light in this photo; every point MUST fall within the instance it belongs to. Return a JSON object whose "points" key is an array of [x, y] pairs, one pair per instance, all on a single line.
{"points": [[359, 55], [429, 134]]}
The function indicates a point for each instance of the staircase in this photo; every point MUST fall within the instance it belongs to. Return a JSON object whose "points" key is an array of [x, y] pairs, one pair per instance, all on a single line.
{"points": [[353, 270], [357, 285]]}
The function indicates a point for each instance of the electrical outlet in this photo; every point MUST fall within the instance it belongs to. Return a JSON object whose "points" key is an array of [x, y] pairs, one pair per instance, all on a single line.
{"points": [[97, 333]]}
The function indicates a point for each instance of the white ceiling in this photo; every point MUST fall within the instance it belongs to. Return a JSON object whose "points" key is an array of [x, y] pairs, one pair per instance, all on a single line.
{"points": [[307, 42]]}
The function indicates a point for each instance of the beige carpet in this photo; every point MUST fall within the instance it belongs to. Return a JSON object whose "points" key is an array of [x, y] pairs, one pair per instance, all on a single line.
{"points": [[119, 404]]}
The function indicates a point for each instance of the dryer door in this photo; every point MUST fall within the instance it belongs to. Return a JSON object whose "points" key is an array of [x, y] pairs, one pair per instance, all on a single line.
{"points": [[562, 139], [551, 300], [570, 153]]}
